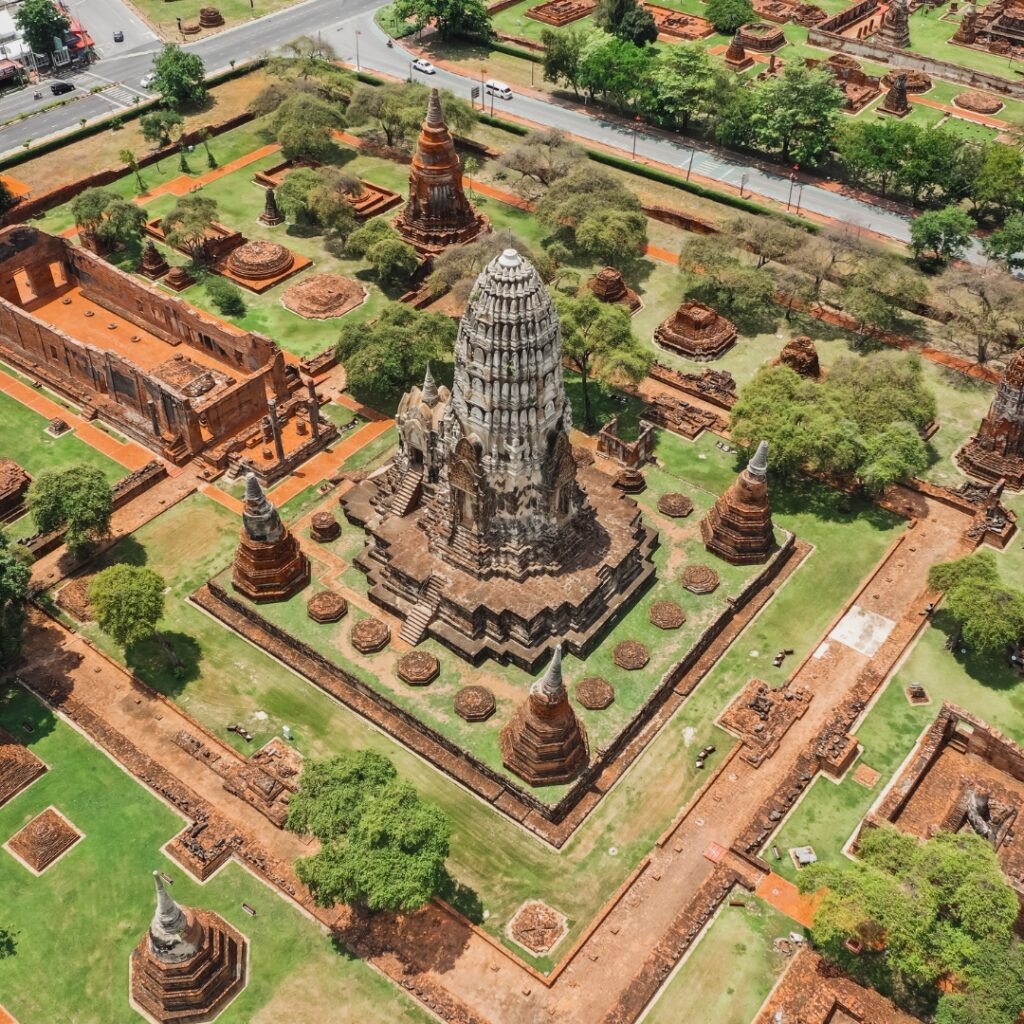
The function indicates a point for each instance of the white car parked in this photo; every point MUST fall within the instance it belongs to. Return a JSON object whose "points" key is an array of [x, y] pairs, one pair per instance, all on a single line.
{"points": [[419, 64], [147, 80]]}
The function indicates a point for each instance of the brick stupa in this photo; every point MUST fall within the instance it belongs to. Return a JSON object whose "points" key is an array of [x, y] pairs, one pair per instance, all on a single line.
{"points": [[484, 532], [269, 564], [437, 214], [545, 744], [697, 332], [738, 527], [736, 56], [996, 451], [188, 966]]}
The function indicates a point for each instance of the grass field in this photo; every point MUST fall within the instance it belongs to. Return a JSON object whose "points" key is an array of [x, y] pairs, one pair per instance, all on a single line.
{"points": [[730, 971], [101, 893]]}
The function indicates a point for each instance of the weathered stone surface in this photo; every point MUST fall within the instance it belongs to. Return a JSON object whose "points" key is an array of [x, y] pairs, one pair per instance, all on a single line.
{"points": [[595, 693], [437, 213], [895, 28], [608, 286], [326, 606], [979, 102], [545, 744], [418, 668], [996, 451], [896, 102], [324, 296], [14, 483], [260, 259], [19, 767], [675, 505], [538, 927], [801, 356], [271, 214], [736, 56], [324, 527], [370, 635], [697, 332], [269, 564], [700, 579], [153, 263], [631, 655], [666, 615], [45, 838], [738, 527], [474, 703]]}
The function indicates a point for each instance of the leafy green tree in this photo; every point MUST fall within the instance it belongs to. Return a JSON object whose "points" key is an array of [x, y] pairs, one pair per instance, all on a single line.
{"points": [[995, 987], [619, 71], [382, 846], [768, 238], [457, 268], [715, 274], [41, 22], [598, 340], [128, 159], [78, 499], [895, 453], [393, 260], [921, 910], [317, 198], [180, 77], [684, 85], [383, 359], [728, 15], [160, 126], [986, 309], [875, 152], [563, 56], [999, 185], [1006, 244], [795, 114], [188, 223], [128, 601], [614, 236], [7, 198], [88, 208], [225, 295], [989, 613], [879, 289], [123, 223], [930, 169], [946, 233], [362, 240], [14, 581], [303, 126], [451, 17], [638, 26], [395, 111]]}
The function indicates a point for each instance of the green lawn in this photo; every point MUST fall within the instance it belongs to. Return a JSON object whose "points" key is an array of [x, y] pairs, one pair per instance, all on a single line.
{"points": [[704, 988], [101, 893]]}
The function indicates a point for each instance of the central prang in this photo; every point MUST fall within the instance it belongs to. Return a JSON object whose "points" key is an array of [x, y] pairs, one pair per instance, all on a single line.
{"points": [[483, 532]]}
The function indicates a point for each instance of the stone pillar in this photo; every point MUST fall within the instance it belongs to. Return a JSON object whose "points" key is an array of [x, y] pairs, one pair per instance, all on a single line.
{"points": [[314, 406], [154, 419], [275, 426]]}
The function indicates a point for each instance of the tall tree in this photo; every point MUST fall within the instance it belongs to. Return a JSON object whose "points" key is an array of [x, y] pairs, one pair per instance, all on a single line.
{"points": [[999, 186], [383, 359], [1006, 244], [942, 234], [382, 846], [619, 71], [539, 159], [160, 126], [88, 208], [598, 340], [303, 124], [42, 23], [451, 17], [613, 236], [78, 499], [796, 113], [875, 152], [188, 223], [14, 580], [986, 310], [728, 15], [684, 85], [563, 56], [128, 601], [180, 77]]}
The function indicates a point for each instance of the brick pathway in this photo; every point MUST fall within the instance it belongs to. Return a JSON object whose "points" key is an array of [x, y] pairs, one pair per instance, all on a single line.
{"points": [[783, 895]]}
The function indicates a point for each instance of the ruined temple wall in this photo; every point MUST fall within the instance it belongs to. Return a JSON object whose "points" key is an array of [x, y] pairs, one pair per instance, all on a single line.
{"points": [[236, 408], [168, 317]]}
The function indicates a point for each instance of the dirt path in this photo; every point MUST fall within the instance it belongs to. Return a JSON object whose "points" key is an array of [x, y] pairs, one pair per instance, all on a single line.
{"points": [[467, 965]]}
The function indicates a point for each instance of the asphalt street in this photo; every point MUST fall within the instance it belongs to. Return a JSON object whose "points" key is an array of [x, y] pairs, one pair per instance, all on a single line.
{"points": [[350, 27]]}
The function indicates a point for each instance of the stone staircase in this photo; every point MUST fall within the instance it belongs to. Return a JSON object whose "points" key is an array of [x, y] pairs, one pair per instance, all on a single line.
{"points": [[416, 622], [407, 497]]}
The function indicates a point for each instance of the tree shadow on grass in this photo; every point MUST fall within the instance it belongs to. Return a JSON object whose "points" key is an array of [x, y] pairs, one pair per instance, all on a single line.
{"points": [[991, 670], [8, 943], [24, 717], [167, 661], [463, 898], [798, 496]]}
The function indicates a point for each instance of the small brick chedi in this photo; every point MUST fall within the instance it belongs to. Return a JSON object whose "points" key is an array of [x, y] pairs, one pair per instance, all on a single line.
{"points": [[484, 532], [996, 451], [738, 527], [188, 966], [438, 214], [545, 743], [269, 564], [696, 331]]}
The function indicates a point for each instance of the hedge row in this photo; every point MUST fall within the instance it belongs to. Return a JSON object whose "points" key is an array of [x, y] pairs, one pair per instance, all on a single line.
{"points": [[515, 51], [130, 114]]}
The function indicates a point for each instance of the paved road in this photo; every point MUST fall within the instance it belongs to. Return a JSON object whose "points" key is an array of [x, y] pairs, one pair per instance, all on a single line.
{"points": [[356, 27]]}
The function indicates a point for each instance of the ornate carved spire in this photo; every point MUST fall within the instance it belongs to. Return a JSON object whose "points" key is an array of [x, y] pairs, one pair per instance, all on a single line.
{"points": [[435, 116], [996, 451], [428, 393], [738, 527], [758, 465], [551, 686], [260, 518], [169, 927]]}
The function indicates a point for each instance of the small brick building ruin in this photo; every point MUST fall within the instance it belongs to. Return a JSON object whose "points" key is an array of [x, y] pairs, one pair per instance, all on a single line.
{"points": [[437, 214], [182, 383], [483, 532], [545, 744], [697, 332], [738, 527], [14, 483], [188, 966], [269, 564], [609, 286], [801, 356], [996, 451]]}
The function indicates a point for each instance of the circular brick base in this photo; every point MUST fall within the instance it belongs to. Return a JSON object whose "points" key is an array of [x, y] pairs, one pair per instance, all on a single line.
{"points": [[595, 693], [417, 668], [474, 703], [370, 635], [666, 615], [324, 527], [630, 655], [631, 481], [700, 579], [979, 102], [326, 606], [675, 504]]}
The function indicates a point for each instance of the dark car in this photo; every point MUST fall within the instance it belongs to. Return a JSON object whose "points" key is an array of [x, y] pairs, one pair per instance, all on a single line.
{"points": [[118, 36], [61, 87]]}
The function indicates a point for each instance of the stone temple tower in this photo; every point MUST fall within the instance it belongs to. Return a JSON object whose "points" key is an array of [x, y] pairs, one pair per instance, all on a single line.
{"points": [[437, 214], [996, 451], [483, 532], [188, 966], [738, 527], [508, 501]]}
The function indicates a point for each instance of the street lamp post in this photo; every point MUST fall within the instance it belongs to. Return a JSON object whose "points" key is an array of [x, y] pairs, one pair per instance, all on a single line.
{"points": [[792, 182], [483, 95], [636, 128], [799, 196], [358, 34], [743, 183], [689, 166]]}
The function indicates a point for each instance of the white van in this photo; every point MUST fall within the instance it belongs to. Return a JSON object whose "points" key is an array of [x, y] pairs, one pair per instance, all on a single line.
{"points": [[499, 89]]}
